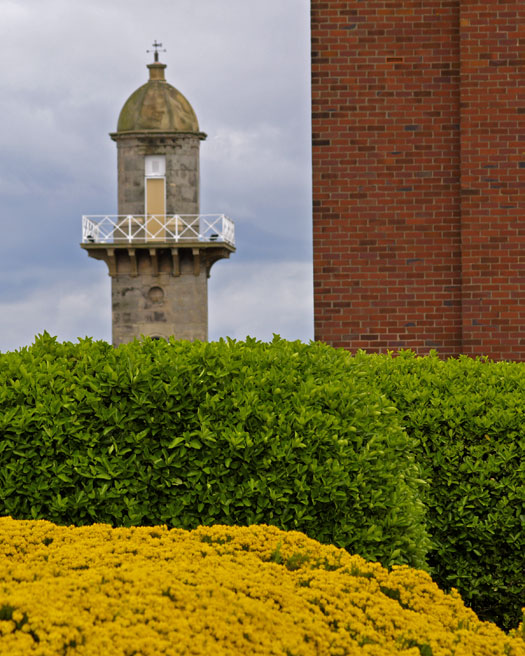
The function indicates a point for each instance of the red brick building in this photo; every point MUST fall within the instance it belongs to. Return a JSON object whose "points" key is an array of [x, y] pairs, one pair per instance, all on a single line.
{"points": [[418, 110]]}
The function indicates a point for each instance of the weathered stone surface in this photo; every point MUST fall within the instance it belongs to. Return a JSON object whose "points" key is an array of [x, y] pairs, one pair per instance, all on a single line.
{"points": [[157, 105], [182, 172], [180, 310], [159, 290]]}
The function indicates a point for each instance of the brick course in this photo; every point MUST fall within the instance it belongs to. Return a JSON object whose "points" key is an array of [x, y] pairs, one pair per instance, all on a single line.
{"points": [[418, 175]]}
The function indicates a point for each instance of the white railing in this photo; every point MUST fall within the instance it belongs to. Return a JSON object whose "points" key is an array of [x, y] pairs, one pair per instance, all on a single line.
{"points": [[119, 229]]}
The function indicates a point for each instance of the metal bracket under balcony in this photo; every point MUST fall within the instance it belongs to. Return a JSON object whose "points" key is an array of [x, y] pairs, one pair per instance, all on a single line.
{"points": [[182, 229]]}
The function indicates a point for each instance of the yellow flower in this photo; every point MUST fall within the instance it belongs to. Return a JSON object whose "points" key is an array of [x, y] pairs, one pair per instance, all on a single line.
{"points": [[221, 590]]}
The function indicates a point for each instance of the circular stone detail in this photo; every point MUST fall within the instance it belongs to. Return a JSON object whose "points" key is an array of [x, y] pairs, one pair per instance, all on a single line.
{"points": [[156, 294]]}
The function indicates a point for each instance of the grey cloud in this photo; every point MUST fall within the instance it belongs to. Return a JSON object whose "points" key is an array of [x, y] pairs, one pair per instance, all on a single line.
{"points": [[244, 65], [259, 300]]}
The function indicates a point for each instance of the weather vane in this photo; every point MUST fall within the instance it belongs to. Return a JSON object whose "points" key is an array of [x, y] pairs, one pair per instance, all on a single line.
{"points": [[156, 51]]}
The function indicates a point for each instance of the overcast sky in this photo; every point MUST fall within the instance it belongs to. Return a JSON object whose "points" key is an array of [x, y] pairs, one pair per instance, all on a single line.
{"points": [[67, 68]]}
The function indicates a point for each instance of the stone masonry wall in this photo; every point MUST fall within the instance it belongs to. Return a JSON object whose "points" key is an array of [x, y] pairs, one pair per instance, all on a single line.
{"points": [[417, 175], [160, 304], [182, 171]]}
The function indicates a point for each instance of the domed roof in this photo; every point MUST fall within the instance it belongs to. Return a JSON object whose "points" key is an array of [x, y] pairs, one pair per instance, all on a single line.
{"points": [[158, 107]]}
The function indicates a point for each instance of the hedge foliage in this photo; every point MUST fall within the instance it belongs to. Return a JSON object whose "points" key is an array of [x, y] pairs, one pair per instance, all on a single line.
{"points": [[299, 436], [196, 434], [222, 590], [468, 417]]}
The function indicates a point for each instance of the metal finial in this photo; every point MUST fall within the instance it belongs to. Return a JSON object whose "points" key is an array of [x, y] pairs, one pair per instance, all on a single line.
{"points": [[156, 51]]}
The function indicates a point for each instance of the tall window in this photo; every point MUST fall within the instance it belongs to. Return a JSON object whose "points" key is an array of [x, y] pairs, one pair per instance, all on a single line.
{"points": [[155, 201]]}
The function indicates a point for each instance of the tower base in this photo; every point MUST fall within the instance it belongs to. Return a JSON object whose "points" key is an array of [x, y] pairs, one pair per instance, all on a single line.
{"points": [[159, 290]]}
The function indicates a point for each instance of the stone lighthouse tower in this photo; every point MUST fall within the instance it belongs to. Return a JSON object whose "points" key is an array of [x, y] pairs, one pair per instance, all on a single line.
{"points": [[159, 250]]}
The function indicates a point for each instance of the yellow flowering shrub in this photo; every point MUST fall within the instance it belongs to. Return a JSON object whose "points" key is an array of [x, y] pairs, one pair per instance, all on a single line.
{"points": [[220, 590]]}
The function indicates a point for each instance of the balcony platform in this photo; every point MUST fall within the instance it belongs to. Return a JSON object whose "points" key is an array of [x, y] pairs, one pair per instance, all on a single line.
{"points": [[144, 231], [135, 245]]}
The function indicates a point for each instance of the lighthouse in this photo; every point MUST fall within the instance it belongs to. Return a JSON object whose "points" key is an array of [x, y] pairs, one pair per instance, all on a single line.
{"points": [[159, 249]]}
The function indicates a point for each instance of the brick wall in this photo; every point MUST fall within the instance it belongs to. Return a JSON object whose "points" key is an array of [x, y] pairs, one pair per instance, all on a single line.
{"points": [[493, 177], [416, 241]]}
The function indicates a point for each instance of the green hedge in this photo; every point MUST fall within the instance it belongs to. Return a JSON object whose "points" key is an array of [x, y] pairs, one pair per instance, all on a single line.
{"points": [[468, 417], [300, 436], [186, 434]]}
